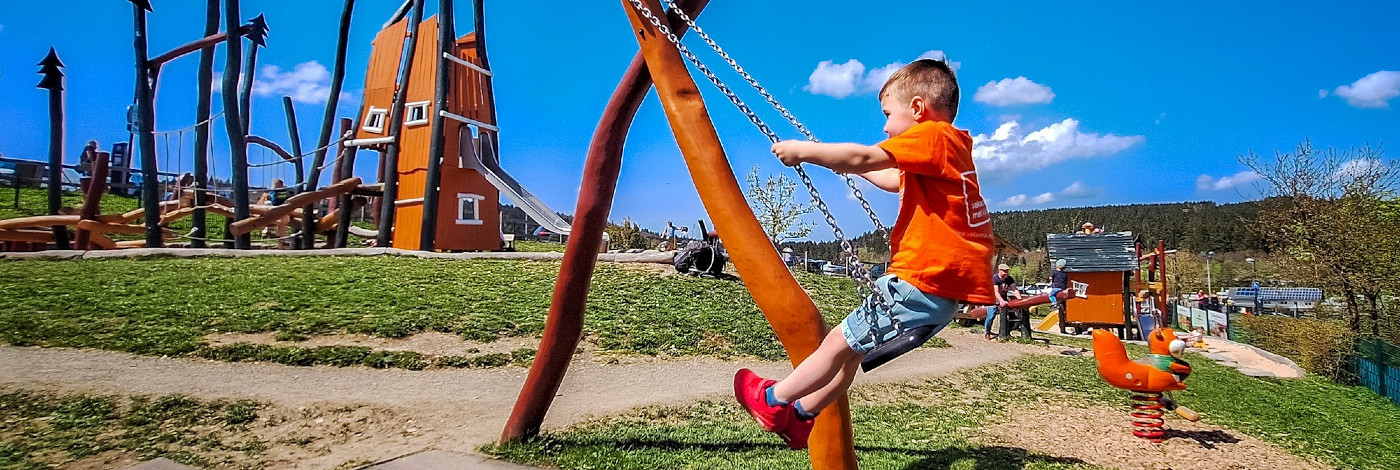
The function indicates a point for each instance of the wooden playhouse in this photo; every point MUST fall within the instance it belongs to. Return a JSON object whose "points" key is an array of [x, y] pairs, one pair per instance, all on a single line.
{"points": [[1101, 269]]}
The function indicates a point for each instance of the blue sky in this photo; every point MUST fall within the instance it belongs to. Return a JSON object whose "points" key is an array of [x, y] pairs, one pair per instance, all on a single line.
{"points": [[1077, 104]]}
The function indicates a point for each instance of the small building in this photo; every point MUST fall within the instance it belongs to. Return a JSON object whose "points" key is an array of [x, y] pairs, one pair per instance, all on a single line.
{"points": [[1100, 267]]}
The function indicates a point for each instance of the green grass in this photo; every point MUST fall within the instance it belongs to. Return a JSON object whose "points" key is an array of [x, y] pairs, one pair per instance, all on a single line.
{"points": [[165, 306], [40, 431], [932, 425], [532, 246]]}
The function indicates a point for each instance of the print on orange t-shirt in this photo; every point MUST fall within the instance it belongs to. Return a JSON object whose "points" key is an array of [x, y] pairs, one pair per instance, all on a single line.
{"points": [[942, 239]]}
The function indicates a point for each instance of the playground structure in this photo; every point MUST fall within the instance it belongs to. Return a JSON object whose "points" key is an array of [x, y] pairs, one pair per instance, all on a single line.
{"points": [[413, 116], [1151, 379], [413, 137], [1114, 284]]}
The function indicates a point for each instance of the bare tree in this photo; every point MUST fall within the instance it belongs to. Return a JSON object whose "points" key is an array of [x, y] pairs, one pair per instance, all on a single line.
{"points": [[773, 203], [1332, 219]]}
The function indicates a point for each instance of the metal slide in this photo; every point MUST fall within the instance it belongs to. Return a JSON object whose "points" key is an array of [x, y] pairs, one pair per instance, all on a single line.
{"points": [[488, 167]]}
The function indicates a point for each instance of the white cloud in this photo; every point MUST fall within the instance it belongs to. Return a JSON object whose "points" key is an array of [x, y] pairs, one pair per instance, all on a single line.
{"points": [[1160, 118], [850, 78], [875, 80], [1012, 91], [1009, 151], [1321, 94], [1208, 183], [1372, 91], [837, 81], [1076, 190], [940, 55], [307, 82], [1353, 169]]}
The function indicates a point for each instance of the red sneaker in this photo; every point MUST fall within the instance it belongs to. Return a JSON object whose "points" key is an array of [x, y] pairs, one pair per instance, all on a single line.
{"points": [[750, 389], [797, 433]]}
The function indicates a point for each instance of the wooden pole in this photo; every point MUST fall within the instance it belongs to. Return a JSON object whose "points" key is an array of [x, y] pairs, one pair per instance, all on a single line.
{"points": [[438, 142], [564, 325], [202, 112], [233, 122], [308, 222], [302, 242], [792, 314], [92, 198], [347, 170], [257, 34], [145, 128], [395, 124], [52, 69]]}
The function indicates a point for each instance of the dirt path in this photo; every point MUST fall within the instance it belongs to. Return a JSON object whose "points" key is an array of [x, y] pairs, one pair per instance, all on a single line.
{"points": [[364, 415]]}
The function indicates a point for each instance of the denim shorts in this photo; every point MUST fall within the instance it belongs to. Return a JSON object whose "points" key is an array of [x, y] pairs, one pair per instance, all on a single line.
{"points": [[911, 306]]}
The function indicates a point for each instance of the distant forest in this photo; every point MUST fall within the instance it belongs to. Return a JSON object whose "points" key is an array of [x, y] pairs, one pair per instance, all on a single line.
{"points": [[1190, 226]]}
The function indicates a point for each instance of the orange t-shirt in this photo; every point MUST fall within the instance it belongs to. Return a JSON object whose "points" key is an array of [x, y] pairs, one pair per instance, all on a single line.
{"points": [[942, 239]]}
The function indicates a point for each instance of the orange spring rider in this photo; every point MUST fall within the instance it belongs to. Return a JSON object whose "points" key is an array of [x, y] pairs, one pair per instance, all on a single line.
{"points": [[1150, 379]]}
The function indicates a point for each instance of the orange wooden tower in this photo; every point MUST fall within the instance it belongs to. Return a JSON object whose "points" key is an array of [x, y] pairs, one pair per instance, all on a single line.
{"points": [[468, 215]]}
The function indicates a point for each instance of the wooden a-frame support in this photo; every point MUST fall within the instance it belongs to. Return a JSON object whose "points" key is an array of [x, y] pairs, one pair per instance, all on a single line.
{"points": [[792, 314]]}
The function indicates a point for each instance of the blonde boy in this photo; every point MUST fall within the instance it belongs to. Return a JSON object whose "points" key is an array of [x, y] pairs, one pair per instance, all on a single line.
{"points": [[940, 248]]}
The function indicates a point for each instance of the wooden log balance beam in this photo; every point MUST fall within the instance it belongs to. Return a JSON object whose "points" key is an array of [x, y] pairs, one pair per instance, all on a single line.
{"points": [[787, 307], [26, 235], [292, 205]]}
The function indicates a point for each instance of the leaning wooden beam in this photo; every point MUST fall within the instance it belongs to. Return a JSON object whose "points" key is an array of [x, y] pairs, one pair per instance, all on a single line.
{"points": [[99, 227], [126, 218], [295, 202], [792, 314], [26, 235], [92, 201], [101, 241], [564, 325], [270, 145], [391, 155], [169, 217], [328, 119], [39, 221]]}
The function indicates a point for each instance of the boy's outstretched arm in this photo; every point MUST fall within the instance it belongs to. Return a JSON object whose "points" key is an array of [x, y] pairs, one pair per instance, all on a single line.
{"points": [[842, 158], [886, 179]]}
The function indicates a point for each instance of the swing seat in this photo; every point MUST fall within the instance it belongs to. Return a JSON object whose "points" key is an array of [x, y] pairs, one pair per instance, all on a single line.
{"points": [[905, 342]]}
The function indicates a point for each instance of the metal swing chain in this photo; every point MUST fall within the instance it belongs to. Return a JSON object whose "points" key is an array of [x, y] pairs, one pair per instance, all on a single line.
{"points": [[753, 82], [865, 281]]}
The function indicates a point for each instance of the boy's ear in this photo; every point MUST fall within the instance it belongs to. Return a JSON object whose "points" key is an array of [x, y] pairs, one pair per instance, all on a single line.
{"points": [[920, 107]]}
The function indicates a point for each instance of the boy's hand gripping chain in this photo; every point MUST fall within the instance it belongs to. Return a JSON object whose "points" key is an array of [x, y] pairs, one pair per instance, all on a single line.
{"points": [[861, 273]]}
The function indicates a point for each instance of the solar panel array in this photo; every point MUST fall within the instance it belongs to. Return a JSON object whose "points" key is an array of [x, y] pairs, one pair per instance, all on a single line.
{"points": [[1279, 294]]}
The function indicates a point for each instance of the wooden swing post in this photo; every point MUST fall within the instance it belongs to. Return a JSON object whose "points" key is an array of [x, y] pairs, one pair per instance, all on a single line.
{"points": [[564, 326], [792, 314]]}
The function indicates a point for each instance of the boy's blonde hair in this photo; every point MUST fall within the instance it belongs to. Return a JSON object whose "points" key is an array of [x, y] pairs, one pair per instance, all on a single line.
{"points": [[930, 78]]}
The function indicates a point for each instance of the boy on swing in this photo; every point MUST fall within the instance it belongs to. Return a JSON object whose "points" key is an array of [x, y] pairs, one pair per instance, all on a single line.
{"points": [[940, 248]]}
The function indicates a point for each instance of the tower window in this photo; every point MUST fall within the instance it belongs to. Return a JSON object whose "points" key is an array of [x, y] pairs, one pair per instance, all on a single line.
{"points": [[374, 119]]}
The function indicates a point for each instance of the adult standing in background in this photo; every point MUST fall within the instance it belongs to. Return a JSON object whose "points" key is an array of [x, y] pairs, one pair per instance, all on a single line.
{"points": [[1005, 288]]}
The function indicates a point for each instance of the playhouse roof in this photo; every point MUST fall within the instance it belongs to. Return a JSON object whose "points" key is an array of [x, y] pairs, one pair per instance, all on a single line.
{"points": [[1088, 253]]}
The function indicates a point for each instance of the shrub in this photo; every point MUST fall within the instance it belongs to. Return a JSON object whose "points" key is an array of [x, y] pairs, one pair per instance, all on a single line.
{"points": [[1318, 346]]}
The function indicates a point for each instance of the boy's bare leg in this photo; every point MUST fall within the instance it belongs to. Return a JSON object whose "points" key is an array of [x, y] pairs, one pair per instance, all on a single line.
{"points": [[824, 375], [817, 401]]}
